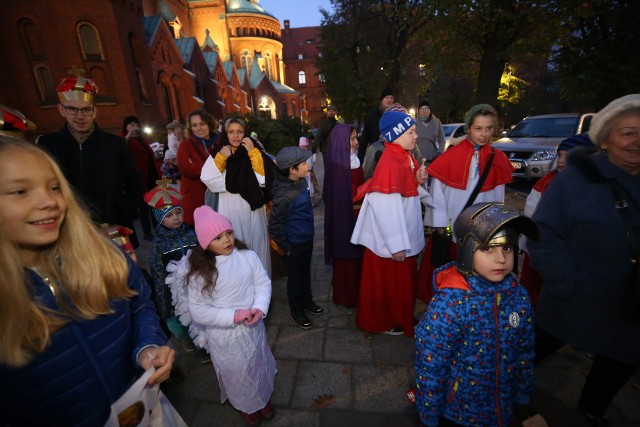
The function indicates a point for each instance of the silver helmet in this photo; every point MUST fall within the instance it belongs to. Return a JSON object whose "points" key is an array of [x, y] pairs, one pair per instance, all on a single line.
{"points": [[488, 224]]}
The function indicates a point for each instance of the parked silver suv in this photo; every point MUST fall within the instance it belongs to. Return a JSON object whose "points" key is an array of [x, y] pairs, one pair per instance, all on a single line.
{"points": [[531, 145]]}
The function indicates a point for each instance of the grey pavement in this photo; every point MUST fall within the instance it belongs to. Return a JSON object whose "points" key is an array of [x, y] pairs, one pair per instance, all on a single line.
{"points": [[335, 375]]}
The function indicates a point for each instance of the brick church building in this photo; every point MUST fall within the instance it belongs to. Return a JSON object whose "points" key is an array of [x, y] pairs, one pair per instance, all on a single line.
{"points": [[156, 59]]}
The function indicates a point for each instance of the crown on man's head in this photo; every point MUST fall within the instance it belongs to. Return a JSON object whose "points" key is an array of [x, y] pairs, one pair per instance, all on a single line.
{"points": [[77, 87]]}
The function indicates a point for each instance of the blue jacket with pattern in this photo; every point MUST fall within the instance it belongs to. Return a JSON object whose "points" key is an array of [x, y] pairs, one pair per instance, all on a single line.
{"points": [[168, 245], [87, 366], [474, 350]]}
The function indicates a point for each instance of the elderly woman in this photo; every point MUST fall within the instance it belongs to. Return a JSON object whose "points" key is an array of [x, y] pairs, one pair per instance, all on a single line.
{"points": [[242, 175], [588, 219]]}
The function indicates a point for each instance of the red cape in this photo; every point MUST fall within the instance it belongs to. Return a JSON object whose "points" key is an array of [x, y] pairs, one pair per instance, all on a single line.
{"points": [[452, 168], [393, 174], [544, 182]]}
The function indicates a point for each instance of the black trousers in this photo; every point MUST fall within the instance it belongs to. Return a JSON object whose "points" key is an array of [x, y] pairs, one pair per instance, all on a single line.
{"points": [[606, 377], [298, 264]]}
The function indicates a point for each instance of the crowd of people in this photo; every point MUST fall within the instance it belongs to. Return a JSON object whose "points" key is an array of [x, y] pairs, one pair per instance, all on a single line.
{"points": [[218, 209]]}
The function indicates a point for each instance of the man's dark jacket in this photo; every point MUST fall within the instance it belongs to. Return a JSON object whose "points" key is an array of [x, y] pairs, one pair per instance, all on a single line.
{"points": [[321, 141], [370, 132], [101, 171]]}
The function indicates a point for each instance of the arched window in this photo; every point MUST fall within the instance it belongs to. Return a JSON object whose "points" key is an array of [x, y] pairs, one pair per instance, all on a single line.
{"points": [[136, 54], [245, 60], [31, 40], [302, 78], [90, 42], [46, 86], [268, 65], [294, 109]]}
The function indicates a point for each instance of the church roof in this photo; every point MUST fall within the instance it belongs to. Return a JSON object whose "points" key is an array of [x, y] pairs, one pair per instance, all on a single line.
{"points": [[210, 58], [186, 46], [283, 88], [247, 6], [208, 44], [241, 73], [151, 25], [256, 75], [228, 68]]}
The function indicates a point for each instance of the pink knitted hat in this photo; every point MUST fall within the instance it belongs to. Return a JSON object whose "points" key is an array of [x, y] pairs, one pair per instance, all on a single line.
{"points": [[209, 224]]}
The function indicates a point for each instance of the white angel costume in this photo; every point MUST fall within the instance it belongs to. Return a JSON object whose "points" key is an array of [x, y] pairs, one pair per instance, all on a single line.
{"points": [[242, 360]]}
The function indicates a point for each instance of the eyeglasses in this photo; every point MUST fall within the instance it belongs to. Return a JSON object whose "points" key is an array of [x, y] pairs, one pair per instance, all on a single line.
{"points": [[72, 111], [424, 108]]}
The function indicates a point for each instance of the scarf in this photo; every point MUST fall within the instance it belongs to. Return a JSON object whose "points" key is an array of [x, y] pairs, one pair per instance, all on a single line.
{"points": [[81, 137], [242, 180], [452, 168]]}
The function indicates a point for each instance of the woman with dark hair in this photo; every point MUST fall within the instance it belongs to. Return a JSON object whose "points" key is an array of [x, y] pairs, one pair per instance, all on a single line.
{"points": [[192, 155], [144, 160], [588, 256], [241, 173], [343, 174]]}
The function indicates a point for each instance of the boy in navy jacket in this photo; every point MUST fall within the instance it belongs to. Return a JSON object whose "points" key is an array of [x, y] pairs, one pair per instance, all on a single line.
{"points": [[291, 228]]}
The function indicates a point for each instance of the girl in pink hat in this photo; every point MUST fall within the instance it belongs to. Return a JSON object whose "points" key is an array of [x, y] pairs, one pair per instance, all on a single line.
{"points": [[229, 293]]}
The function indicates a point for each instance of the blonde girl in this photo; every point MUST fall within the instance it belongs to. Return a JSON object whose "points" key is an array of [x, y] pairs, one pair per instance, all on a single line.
{"points": [[76, 323]]}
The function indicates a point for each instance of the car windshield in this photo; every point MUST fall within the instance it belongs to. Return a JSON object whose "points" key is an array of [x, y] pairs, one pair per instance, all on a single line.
{"points": [[448, 129], [545, 127]]}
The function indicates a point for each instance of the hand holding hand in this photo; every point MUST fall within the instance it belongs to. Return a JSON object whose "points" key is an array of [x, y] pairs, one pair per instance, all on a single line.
{"points": [[159, 357], [398, 256], [241, 315], [248, 143], [226, 151], [256, 316]]}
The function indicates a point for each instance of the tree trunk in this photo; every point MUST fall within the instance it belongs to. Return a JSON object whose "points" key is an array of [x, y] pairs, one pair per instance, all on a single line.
{"points": [[491, 68]]}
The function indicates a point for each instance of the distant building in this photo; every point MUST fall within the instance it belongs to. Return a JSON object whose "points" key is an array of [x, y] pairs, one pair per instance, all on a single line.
{"points": [[301, 49], [156, 59]]}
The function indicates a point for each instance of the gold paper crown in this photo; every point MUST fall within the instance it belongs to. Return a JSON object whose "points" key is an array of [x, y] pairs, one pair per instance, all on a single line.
{"points": [[77, 88]]}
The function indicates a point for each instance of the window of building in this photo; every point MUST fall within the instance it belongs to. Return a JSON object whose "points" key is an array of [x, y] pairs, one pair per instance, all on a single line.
{"points": [[134, 45], [309, 41], [245, 60], [46, 86], [90, 42], [31, 40], [300, 56], [268, 65], [321, 78], [302, 78]]}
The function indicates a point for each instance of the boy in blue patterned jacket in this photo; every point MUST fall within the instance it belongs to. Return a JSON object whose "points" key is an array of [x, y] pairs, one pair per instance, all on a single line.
{"points": [[172, 241], [474, 345]]}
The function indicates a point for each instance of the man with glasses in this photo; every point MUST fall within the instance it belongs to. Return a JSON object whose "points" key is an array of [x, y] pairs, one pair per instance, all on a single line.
{"points": [[430, 133], [98, 164]]}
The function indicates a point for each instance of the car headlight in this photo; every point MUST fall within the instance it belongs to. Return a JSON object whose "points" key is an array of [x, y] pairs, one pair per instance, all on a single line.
{"points": [[544, 155]]}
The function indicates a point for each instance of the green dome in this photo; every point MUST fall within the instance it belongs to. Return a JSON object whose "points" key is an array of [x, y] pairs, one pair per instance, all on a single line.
{"points": [[247, 6]]}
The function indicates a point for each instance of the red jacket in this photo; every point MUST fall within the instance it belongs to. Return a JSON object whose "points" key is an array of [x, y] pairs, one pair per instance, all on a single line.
{"points": [[191, 157], [145, 162]]}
